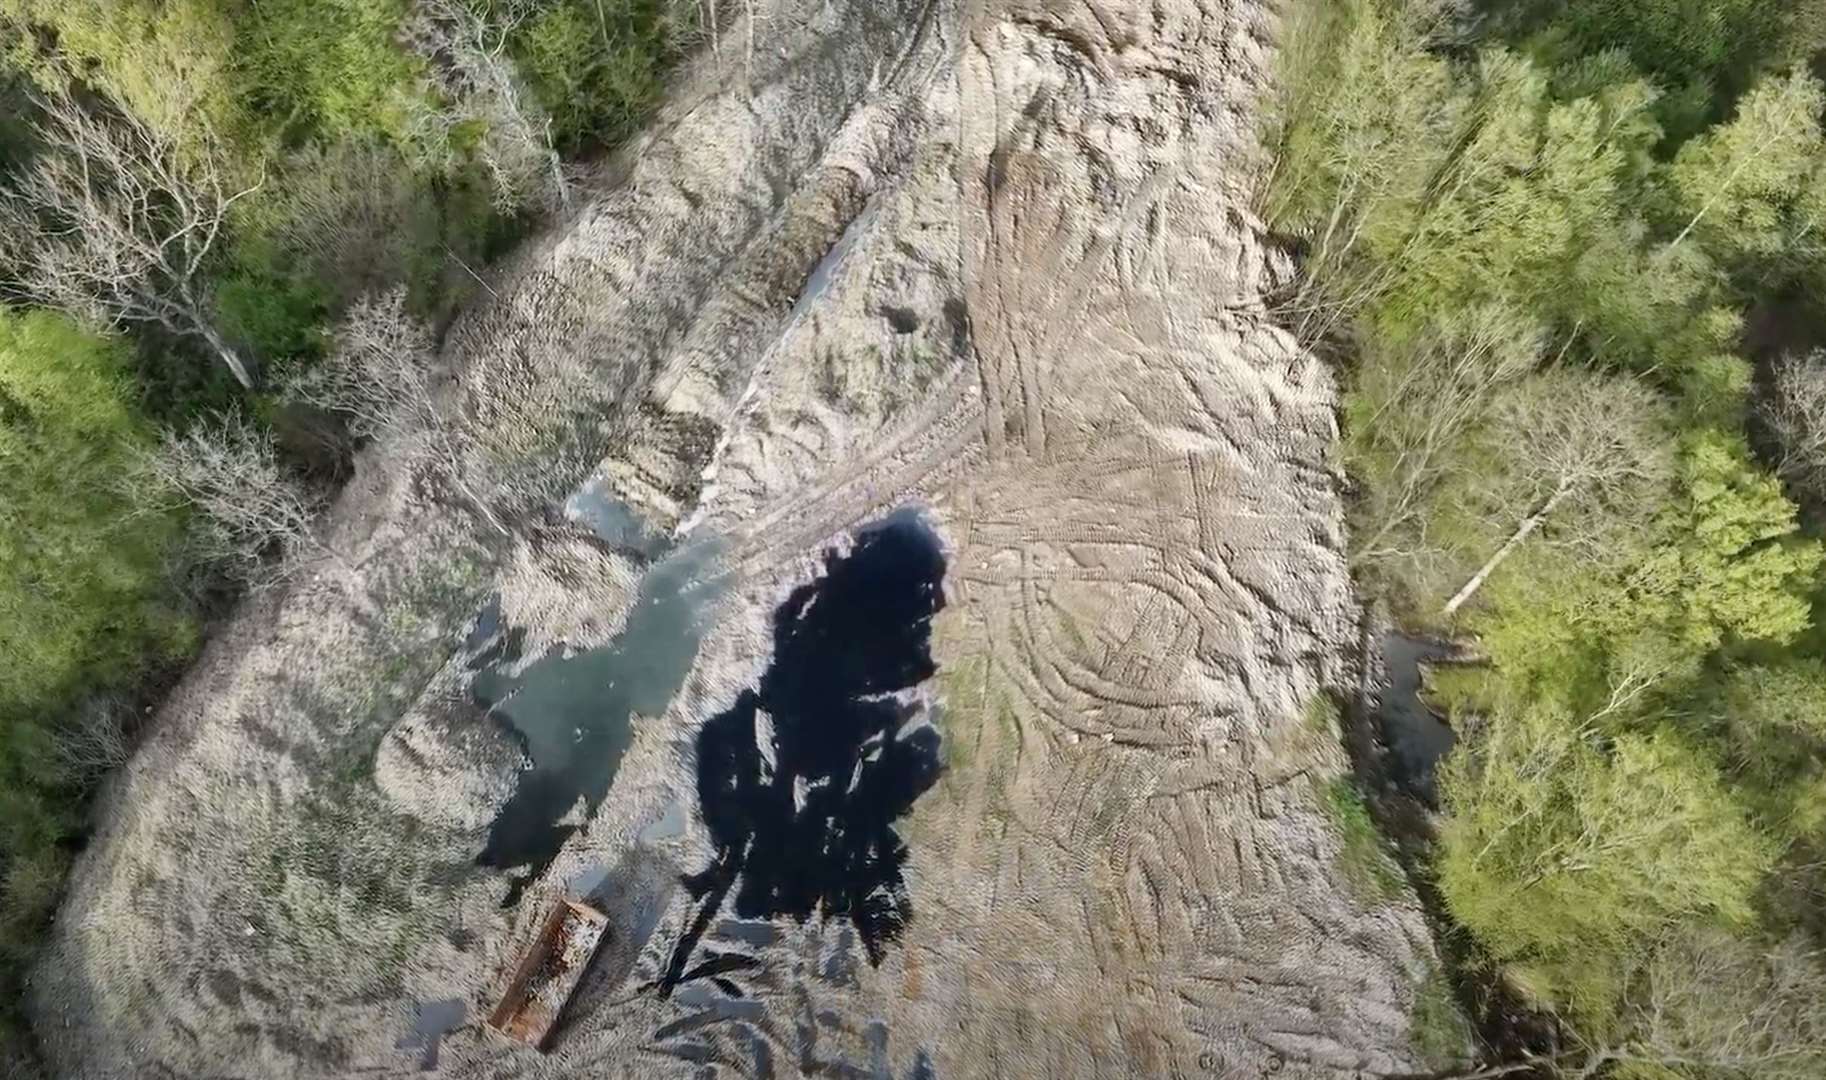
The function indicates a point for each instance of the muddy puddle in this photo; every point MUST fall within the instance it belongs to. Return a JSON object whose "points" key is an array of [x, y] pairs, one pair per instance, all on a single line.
{"points": [[431, 1021], [574, 714], [801, 781]]}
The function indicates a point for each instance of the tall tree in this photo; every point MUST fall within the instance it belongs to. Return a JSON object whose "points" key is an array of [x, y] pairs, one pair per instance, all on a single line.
{"points": [[379, 376], [247, 508], [1574, 446], [1744, 571], [1743, 186], [465, 46], [114, 223], [81, 556], [1710, 1006], [1792, 411], [1356, 145], [1406, 427], [1565, 852]]}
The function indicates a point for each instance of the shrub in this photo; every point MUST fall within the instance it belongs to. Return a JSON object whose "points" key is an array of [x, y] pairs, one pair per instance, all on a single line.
{"points": [[1362, 857], [1565, 853], [595, 65], [80, 555]]}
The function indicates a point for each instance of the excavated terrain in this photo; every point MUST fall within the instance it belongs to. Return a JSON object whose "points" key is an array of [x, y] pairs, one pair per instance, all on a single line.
{"points": [[991, 260]]}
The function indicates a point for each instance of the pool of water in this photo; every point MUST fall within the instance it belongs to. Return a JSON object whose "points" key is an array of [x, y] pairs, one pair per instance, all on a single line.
{"points": [[614, 521], [431, 1021], [574, 715], [801, 781], [1416, 736]]}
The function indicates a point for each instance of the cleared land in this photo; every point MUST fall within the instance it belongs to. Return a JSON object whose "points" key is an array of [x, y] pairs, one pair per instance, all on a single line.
{"points": [[993, 258]]}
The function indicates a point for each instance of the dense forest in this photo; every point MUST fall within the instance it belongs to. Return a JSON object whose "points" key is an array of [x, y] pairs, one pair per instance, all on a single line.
{"points": [[1569, 257], [213, 214]]}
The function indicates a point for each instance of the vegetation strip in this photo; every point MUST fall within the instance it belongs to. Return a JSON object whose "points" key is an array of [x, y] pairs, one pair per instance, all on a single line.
{"points": [[229, 234], [1565, 254]]}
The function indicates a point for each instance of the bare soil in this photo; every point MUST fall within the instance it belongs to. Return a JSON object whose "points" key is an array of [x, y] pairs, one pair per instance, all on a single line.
{"points": [[994, 258]]}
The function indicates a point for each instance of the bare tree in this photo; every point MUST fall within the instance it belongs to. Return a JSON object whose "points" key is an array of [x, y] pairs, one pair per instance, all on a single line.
{"points": [[348, 208], [1704, 1005], [1574, 439], [227, 471], [1793, 411], [464, 44], [1713, 1005], [378, 376], [92, 740], [1425, 399], [114, 223], [376, 373]]}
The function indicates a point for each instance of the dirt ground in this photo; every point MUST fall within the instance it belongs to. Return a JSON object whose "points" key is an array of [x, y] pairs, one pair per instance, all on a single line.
{"points": [[994, 259]]}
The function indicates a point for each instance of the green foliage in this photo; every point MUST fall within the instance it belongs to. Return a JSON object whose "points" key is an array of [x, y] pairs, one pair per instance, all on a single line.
{"points": [[1743, 572], [595, 65], [1492, 235], [325, 68], [1409, 423], [167, 61], [361, 186], [351, 219], [1748, 189], [1773, 721], [1321, 717], [1676, 39], [1564, 851], [1440, 1033], [278, 315], [80, 556], [1703, 52], [1345, 141], [1724, 564], [1361, 858], [83, 607], [1780, 701], [250, 72]]}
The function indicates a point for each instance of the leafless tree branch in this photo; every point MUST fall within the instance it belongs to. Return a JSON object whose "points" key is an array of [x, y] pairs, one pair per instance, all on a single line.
{"points": [[112, 223], [227, 471], [464, 43], [378, 376], [1793, 412]]}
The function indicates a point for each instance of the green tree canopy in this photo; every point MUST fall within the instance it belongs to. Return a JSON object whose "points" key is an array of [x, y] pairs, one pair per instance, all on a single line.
{"points": [[1774, 725], [1563, 850], [1725, 563], [80, 558], [1746, 189]]}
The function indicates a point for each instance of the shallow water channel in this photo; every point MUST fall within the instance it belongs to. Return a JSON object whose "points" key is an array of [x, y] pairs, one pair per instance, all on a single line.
{"points": [[614, 521], [1416, 736]]}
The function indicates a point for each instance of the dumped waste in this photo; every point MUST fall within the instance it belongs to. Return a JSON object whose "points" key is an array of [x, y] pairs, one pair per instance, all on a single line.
{"points": [[550, 973]]}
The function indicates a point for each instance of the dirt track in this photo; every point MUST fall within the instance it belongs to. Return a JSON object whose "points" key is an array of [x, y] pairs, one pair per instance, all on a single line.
{"points": [[995, 259]]}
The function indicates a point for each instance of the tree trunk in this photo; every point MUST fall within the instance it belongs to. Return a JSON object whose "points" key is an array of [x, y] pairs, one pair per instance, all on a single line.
{"points": [[203, 328], [1521, 533], [1505, 1069], [1730, 182], [229, 357]]}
